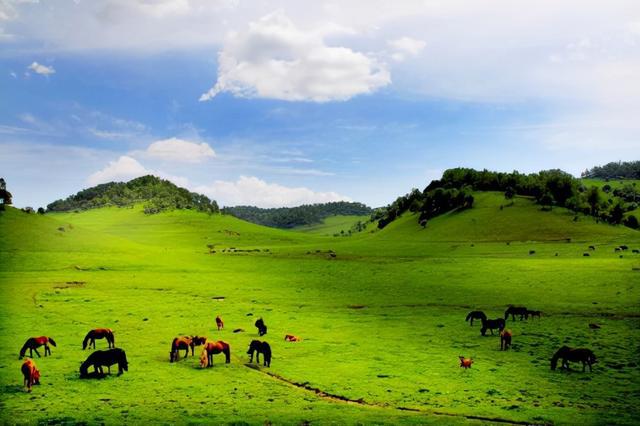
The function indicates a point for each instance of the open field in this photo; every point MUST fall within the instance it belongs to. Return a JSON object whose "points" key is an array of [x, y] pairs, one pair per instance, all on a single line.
{"points": [[382, 321], [332, 225]]}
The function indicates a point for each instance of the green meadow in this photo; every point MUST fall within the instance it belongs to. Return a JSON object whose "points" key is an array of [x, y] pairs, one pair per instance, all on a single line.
{"points": [[381, 314]]}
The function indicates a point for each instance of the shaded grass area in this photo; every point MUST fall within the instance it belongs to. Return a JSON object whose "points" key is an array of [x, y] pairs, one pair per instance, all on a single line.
{"points": [[382, 321]]}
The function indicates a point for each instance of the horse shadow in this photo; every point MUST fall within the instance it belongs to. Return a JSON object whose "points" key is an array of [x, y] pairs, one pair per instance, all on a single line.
{"points": [[9, 389]]}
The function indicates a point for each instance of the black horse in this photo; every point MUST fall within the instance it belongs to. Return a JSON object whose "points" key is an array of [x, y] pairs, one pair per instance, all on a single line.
{"points": [[534, 314], [516, 310], [99, 359], [491, 325], [478, 315], [262, 329], [586, 356], [260, 348]]}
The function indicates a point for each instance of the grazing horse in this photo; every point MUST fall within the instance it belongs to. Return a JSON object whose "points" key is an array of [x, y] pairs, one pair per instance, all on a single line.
{"points": [[183, 343], [465, 362], [262, 328], [586, 356], [99, 333], [491, 325], [516, 310], [534, 314], [292, 338], [505, 339], [33, 343], [99, 359], [260, 348], [212, 348], [478, 315], [31, 374], [219, 323]]}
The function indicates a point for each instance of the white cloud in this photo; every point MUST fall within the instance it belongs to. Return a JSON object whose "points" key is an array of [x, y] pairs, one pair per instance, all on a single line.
{"points": [[249, 190], [123, 169], [406, 46], [275, 59], [41, 69], [180, 150]]}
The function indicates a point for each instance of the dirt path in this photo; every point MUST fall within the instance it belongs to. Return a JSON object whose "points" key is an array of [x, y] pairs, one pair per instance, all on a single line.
{"points": [[361, 402]]}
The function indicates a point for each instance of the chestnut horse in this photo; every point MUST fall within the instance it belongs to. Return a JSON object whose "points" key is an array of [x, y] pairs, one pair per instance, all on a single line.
{"points": [[212, 348], [184, 343], [292, 338], [465, 362], [505, 339], [33, 343], [99, 333], [586, 356], [219, 323], [31, 374], [99, 359]]}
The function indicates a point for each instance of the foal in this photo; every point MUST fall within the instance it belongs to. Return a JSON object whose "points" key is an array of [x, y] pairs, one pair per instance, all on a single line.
{"points": [[31, 374]]}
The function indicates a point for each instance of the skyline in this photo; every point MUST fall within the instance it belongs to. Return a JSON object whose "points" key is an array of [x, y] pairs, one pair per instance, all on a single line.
{"points": [[280, 104]]}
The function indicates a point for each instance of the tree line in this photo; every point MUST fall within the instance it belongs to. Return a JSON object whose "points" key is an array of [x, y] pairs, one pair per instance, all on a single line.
{"points": [[156, 194], [613, 170], [290, 217], [548, 188]]}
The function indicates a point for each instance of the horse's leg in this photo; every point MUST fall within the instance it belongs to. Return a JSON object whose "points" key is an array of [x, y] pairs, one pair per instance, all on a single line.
{"points": [[47, 350], [36, 351]]}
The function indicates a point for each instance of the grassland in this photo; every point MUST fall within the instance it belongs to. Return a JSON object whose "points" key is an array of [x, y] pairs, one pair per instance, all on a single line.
{"points": [[333, 225], [382, 321]]}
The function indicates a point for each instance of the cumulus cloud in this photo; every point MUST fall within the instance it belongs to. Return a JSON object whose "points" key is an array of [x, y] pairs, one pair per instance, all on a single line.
{"points": [[126, 168], [41, 69], [406, 46], [249, 190], [275, 59], [180, 150]]}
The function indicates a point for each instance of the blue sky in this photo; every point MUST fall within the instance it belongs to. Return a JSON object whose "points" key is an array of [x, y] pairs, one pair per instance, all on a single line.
{"points": [[273, 103]]}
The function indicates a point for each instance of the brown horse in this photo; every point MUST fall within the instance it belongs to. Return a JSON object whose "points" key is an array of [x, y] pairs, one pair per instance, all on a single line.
{"points": [[212, 348], [31, 374], [505, 339], [465, 362], [219, 323], [33, 343], [292, 338], [99, 333]]}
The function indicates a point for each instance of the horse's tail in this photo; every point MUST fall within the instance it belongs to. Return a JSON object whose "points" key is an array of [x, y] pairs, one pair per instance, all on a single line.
{"points": [[24, 349], [86, 340], [110, 337], [52, 342], [227, 353]]}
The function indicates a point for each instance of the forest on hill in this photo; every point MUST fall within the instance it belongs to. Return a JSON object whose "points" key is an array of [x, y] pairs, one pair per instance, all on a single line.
{"points": [[549, 188], [290, 217], [613, 170], [156, 194]]}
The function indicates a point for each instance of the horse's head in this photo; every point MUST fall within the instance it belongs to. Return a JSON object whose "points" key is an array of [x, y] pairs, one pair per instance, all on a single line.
{"points": [[253, 346], [122, 362], [36, 375]]}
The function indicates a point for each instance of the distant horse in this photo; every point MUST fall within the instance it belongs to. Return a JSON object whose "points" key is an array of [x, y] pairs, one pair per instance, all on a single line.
{"points": [[586, 356], [516, 310], [99, 359], [491, 325], [260, 348], [534, 314], [505, 339], [33, 343], [292, 338], [478, 315], [465, 362], [262, 328], [99, 333], [219, 323], [184, 343], [31, 374], [212, 348]]}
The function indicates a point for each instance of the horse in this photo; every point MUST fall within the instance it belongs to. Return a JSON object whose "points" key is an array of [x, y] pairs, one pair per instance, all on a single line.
{"points": [[478, 315], [533, 314], [33, 343], [219, 323], [491, 325], [505, 339], [516, 310], [99, 359], [31, 374], [586, 356], [99, 333], [184, 343], [292, 338], [260, 348], [262, 328], [212, 348], [465, 362]]}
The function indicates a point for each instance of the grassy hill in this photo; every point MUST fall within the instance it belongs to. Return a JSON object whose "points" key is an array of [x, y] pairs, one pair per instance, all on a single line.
{"points": [[381, 315], [332, 225]]}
